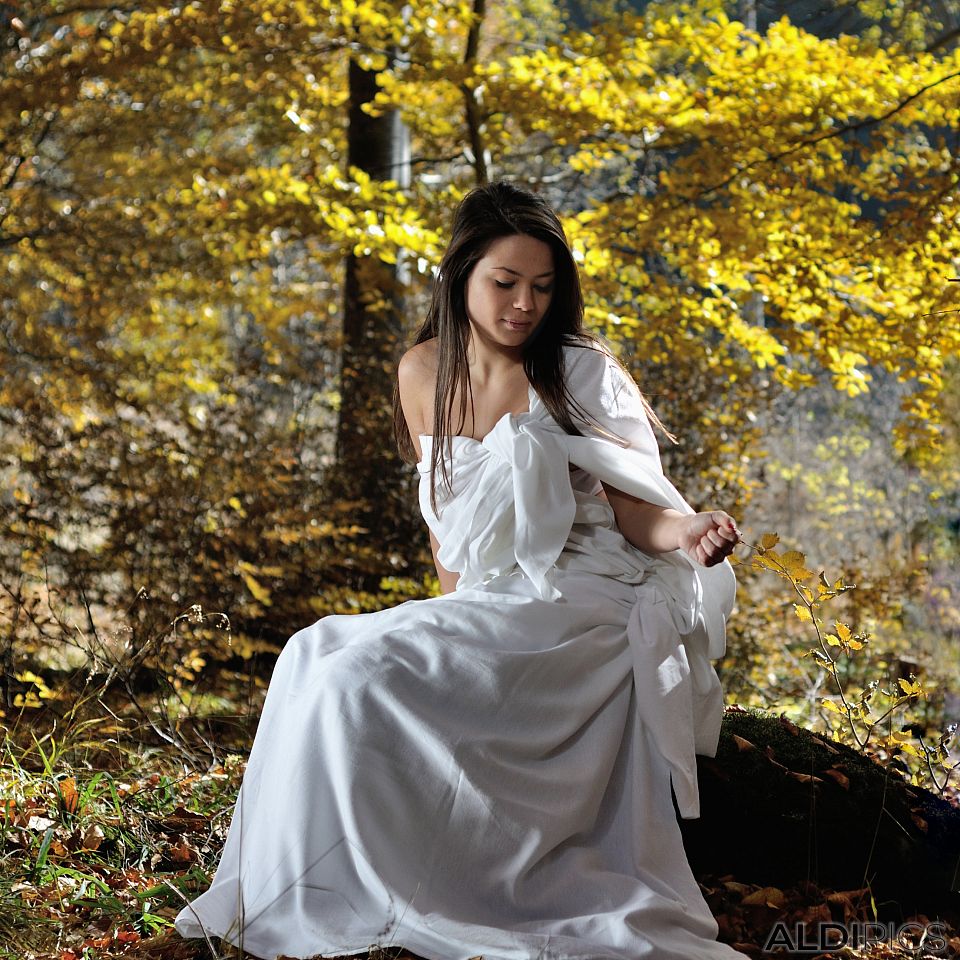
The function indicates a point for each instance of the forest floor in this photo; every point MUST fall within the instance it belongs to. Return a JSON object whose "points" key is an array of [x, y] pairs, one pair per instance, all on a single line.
{"points": [[113, 814]]}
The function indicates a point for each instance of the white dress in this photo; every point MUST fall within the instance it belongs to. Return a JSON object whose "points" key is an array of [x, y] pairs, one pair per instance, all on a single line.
{"points": [[488, 773]]}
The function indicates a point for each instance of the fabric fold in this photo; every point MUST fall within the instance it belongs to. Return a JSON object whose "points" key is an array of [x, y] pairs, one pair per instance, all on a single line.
{"points": [[666, 698], [488, 772], [494, 533], [516, 511], [544, 504]]}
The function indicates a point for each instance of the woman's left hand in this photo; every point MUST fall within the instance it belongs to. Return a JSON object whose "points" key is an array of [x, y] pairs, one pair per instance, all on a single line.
{"points": [[709, 538]]}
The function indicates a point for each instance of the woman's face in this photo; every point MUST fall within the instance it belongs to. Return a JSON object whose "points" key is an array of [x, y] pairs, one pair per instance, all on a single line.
{"points": [[509, 289]]}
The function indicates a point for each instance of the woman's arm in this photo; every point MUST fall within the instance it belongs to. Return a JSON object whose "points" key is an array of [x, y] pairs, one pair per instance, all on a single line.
{"points": [[412, 379], [708, 538]]}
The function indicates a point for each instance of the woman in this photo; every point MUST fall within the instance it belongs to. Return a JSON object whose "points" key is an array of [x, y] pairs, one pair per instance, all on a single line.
{"points": [[488, 772]]}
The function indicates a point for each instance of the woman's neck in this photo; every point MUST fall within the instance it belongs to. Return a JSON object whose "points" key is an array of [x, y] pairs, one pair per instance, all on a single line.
{"points": [[492, 363]]}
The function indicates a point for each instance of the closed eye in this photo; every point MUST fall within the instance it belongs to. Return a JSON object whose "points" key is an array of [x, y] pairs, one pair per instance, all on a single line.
{"points": [[507, 286]]}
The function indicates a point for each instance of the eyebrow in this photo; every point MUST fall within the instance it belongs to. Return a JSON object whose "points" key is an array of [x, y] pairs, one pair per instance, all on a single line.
{"points": [[549, 273]]}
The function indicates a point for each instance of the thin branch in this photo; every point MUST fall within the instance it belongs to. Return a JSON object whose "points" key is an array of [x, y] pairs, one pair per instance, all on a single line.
{"points": [[12, 239], [17, 163], [943, 39], [826, 135], [90, 8]]}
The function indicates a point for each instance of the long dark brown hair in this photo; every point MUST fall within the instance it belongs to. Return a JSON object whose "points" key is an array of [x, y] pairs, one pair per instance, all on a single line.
{"points": [[484, 215]]}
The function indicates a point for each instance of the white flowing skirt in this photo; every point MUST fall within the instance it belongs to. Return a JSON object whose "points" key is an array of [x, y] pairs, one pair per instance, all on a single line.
{"points": [[463, 776]]}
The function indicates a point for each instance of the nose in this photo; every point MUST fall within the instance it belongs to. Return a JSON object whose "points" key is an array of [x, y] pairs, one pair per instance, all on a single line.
{"points": [[523, 299]]}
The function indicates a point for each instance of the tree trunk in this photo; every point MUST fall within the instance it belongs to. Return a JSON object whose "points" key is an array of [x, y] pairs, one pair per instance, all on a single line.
{"points": [[369, 469]]}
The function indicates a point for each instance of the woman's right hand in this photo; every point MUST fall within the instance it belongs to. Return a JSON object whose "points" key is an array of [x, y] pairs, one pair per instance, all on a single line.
{"points": [[709, 538]]}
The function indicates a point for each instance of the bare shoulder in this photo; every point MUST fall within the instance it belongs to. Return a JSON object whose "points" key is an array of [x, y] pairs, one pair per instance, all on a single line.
{"points": [[416, 380], [417, 370], [419, 359]]}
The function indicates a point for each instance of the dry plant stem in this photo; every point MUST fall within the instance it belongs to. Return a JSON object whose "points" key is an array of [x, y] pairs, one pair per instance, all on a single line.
{"points": [[852, 712], [927, 751], [206, 936], [832, 666], [900, 701]]}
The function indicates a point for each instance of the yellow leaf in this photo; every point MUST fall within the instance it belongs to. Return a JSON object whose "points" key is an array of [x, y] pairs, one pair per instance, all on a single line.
{"points": [[794, 563], [843, 631], [803, 613], [910, 689], [259, 592], [830, 705]]}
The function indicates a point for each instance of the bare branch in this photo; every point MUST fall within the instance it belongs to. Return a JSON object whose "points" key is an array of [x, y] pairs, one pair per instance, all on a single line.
{"points": [[17, 162]]}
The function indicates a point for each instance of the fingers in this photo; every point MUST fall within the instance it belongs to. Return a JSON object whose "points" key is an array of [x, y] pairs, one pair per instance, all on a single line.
{"points": [[719, 538], [711, 552], [715, 535], [726, 525], [718, 542]]}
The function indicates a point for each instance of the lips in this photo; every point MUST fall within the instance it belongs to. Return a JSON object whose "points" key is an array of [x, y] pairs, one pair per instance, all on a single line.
{"points": [[517, 324]]}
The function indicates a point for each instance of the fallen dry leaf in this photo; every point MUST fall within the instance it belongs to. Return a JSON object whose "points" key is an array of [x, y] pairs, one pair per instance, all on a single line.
{"points": [[766, 897], [790, 726], [804, 777], [840, 778], [68, 794], [92, 838]]}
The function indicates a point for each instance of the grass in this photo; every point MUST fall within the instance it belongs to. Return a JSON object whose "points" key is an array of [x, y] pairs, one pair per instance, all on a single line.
{"points": [[116, 792], [102, 843], [104, 837]]}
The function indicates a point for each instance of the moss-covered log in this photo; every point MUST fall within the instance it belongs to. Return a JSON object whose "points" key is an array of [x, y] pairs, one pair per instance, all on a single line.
{"points": [[781, 805]]}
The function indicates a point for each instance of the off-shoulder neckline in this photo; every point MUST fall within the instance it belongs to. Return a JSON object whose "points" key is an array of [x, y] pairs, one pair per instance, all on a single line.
{"points": [[532, 398]]}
